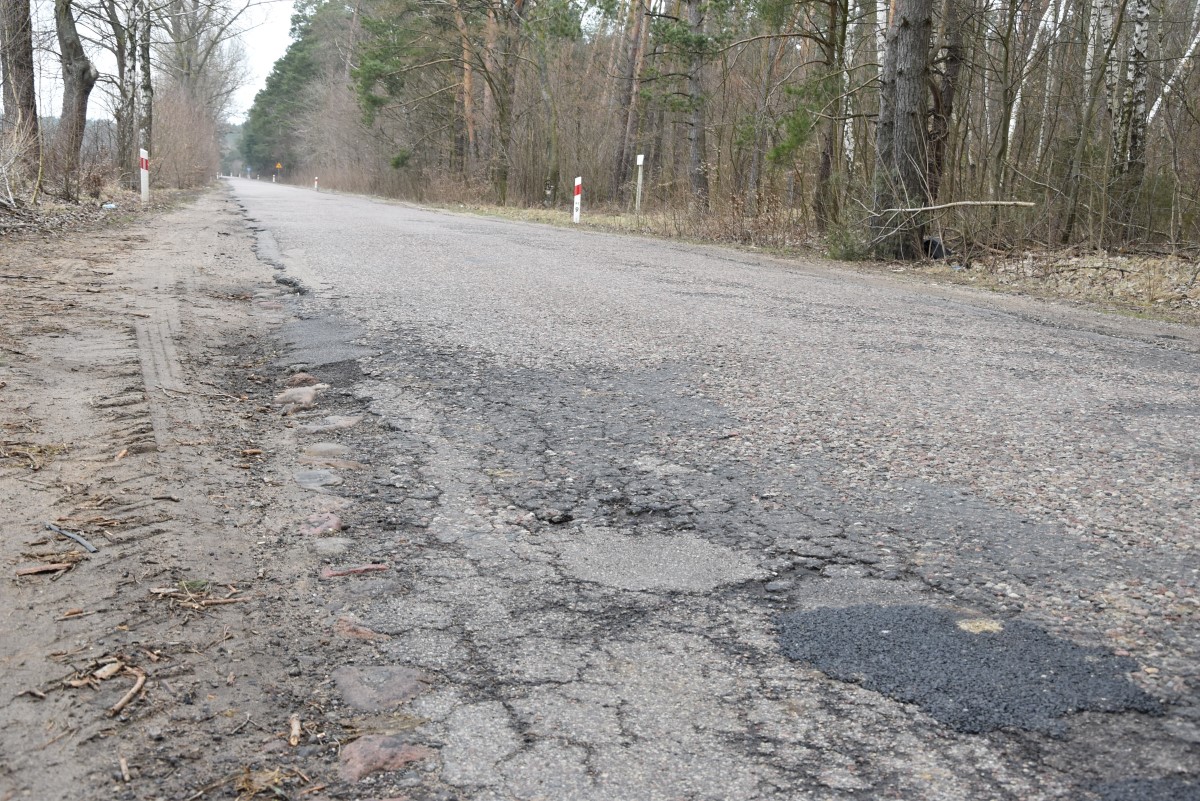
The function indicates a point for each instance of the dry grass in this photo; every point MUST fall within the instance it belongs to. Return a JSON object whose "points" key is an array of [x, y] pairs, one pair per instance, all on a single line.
{"points": [[1159, 286]]}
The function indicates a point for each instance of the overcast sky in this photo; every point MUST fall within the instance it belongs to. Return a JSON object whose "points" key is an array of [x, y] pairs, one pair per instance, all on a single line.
{"points": [[264, 43]]}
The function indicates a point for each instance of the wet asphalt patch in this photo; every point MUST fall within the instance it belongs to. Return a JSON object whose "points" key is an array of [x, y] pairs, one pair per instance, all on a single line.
{"points": [[971, 675]]}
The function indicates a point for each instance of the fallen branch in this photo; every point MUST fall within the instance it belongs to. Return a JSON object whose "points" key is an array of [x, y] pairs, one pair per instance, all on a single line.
{"points": [[940, 206]]}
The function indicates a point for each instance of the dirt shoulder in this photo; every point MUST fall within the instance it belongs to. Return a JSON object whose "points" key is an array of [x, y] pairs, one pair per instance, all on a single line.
{"points": [[164, 649]]}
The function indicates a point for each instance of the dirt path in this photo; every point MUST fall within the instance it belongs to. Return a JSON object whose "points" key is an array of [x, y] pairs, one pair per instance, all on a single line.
{"points": [[171, 658]]}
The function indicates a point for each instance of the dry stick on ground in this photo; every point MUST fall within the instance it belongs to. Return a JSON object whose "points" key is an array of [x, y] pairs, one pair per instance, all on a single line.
{"points": [[138, 684], [294, 730], [87, 546], [52, 568]]}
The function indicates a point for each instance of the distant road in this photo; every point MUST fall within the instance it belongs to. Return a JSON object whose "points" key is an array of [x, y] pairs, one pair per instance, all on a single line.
{"points": [[686, 522]]}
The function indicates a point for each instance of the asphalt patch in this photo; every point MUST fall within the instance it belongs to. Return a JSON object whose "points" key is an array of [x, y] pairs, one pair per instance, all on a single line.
{"points": [[972, 681]]}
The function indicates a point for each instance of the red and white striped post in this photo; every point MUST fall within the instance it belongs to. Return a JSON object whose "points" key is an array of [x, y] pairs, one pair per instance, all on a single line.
{"points": [[144, 166], [578, 198]]}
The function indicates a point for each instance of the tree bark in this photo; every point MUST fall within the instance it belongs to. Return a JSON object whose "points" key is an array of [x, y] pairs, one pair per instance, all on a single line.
{"points": [[79, 76], [1129, 155], [17, 74], [900, 178]]}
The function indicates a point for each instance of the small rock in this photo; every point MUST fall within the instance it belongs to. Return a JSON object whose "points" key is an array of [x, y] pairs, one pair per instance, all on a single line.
{"points": [[379, 752], [380, 688]]}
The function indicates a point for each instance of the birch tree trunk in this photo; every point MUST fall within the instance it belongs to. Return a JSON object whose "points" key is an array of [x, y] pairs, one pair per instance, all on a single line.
{"points": [[1129, 155]]}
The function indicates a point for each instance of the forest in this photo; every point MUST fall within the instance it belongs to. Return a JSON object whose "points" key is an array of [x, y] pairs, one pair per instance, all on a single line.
{"points": [[861, 127], [862, 124]]}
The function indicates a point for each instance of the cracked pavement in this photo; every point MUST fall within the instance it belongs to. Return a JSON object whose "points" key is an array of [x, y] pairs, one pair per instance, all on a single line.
{"points": [[605, 472]]}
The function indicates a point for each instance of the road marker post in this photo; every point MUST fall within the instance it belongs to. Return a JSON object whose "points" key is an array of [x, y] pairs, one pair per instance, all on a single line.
{"points": [[144, 168], [315, 186], [578, 199], [637, 198]]}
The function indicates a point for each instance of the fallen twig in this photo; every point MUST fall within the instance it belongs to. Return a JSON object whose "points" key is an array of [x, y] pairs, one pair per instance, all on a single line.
{"points": [[54, 567], [138, 684], [71, 614], [294, 730], [87, 546]]}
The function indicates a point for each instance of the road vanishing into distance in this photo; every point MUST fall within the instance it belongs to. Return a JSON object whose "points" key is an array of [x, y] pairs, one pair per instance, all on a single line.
{"points": [[672, 522]]}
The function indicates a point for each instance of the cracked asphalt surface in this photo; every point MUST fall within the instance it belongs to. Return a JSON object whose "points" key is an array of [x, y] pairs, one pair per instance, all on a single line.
{"points": [[614, 479]]}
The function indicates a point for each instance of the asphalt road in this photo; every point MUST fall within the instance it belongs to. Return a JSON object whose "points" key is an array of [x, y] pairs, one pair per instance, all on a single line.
{"points": [[677, 522]]}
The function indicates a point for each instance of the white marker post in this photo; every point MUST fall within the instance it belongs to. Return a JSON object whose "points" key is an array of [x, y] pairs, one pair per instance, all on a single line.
{"points": [[144, 166], [578, 198], [315, 186], [637, 198]]}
